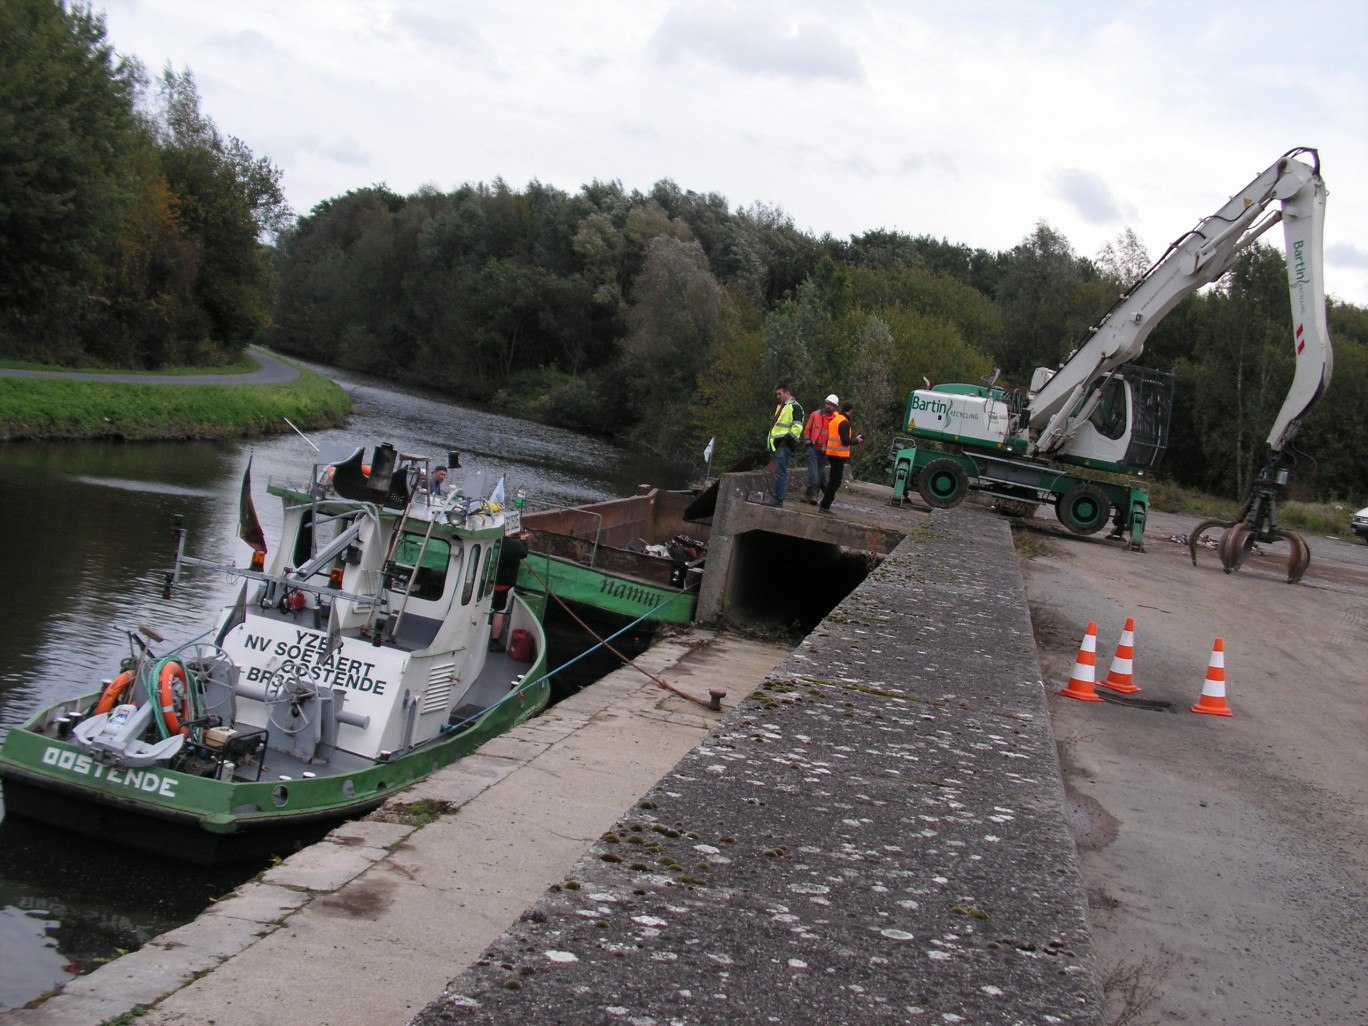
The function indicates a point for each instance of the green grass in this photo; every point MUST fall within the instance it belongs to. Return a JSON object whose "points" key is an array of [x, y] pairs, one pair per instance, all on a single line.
{"points": [[50, 408], [1168, 498], [1313, 518]]}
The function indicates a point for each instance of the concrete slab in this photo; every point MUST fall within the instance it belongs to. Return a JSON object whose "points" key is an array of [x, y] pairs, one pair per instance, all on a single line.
{"points": [[325, 866], [259, 903]]}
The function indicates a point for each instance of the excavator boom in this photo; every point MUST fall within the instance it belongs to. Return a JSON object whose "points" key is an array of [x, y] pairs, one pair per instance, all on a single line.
{"points": [[1197, 258]]}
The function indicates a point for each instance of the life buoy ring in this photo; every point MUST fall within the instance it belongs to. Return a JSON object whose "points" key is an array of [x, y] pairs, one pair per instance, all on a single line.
{"points": [[167, 696], [111, 695]]}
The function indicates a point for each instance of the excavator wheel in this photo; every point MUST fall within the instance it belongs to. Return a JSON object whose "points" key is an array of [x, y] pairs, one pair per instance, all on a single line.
{"points": [[943, 484], [1083, 509], [1195, 538]]}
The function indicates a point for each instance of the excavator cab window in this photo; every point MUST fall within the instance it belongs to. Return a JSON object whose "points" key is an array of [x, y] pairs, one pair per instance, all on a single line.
{"points": [[1110, 416]]}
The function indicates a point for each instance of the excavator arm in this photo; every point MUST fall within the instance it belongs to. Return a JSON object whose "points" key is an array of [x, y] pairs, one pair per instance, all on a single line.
{"points": [[1303, 218], [1290, 191]]}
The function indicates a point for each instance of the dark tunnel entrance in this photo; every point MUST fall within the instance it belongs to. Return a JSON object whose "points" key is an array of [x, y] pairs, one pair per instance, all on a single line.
{"points": [[777, 579]]}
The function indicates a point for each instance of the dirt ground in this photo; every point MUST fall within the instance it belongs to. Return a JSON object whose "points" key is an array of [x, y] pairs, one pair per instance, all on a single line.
{"points": [[1225, 859]]}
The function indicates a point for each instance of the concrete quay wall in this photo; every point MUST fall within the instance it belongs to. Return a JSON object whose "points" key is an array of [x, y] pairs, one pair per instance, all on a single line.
{"points": [[877, 834]]}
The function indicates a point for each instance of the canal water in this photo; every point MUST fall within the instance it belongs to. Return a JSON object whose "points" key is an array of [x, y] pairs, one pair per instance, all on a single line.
{"points": [[87, 529]]}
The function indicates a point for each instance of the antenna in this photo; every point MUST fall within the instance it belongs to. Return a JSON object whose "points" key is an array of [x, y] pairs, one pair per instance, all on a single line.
{"points": [[301, 434]]}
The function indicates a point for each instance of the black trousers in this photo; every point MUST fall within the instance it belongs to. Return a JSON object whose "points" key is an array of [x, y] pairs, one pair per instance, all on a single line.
{"points": [[835, 471]]}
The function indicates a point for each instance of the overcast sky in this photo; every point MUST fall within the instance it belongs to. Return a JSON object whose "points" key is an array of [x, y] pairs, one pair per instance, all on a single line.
{"points": [[964, 120]]}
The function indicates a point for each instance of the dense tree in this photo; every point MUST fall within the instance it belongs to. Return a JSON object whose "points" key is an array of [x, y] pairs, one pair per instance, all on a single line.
{"points": [[678, 319], [226, 199], [67, 137], [1048, 298], [129, 228], [1125, 261]]}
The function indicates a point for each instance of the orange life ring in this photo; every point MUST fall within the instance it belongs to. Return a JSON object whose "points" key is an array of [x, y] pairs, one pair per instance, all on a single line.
{"points": [[116, 688], [169, 672]]}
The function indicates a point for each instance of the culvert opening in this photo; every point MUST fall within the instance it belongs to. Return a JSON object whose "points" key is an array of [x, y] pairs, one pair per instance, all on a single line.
{"points": [[778, 579]]}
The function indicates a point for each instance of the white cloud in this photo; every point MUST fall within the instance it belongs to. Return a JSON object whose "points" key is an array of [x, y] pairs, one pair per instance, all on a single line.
{"points": [[1089, 195], [754, 40], [969, 121]]}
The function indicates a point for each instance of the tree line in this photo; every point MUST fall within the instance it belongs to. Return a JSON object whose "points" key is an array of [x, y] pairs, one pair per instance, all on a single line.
{"points": [[667, 317], [130, 227], [133, 233]]}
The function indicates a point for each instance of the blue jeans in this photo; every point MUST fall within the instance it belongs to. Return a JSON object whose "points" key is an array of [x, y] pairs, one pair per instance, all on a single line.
{"points": [[782, 454], [816, 463]]}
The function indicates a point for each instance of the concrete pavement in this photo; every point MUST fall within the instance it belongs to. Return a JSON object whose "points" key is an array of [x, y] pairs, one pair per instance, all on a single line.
{"points": [[877, 835]]}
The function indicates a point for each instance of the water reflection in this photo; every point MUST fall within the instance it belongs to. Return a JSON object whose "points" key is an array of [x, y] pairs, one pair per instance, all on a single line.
{"points": [[88, 527]]}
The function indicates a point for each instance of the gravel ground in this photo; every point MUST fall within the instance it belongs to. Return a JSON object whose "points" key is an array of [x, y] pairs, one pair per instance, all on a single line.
{"points": [[1224, 858]]}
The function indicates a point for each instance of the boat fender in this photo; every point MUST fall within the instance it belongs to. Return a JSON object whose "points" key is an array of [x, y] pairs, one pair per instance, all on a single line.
{"points": [[110, 698], [167, 694]]}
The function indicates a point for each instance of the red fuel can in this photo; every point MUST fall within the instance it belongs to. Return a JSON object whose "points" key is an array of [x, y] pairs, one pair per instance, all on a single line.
{"points": [[520, 645]]}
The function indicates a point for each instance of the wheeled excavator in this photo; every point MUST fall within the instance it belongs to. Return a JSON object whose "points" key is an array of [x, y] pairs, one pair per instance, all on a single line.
{"points": [[1100, 412]]}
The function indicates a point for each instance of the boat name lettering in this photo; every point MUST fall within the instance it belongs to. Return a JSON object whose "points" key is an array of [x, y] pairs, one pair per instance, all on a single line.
{"points": [[336, 671], [630, 592], [84, 765]]}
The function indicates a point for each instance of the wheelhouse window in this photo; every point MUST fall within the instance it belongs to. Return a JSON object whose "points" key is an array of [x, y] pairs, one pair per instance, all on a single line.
{"points": [[429, 577], [491, 568], [472, 573]]}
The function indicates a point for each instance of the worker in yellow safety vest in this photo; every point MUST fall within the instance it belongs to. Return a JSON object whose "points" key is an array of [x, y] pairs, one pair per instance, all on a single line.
{"points": [[784, 432]]}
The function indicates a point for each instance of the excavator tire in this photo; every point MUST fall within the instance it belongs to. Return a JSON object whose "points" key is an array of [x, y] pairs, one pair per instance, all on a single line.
{"points": [[943, 484], [1083, 509]]}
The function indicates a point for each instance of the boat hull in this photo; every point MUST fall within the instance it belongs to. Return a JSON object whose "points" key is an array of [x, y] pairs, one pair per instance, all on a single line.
{"points": [[605, 592], [207, 821], [599, 557]]}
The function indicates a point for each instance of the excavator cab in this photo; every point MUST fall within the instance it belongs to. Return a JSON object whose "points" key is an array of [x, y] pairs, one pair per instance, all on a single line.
{"points": [[1122, 421]]}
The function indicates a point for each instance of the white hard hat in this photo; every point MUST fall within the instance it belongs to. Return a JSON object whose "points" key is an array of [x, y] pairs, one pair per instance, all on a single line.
{"points": [[832, 399]]}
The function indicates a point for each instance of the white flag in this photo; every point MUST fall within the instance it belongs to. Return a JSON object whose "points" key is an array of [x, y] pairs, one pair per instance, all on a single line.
{"points": [[496, 497], [707, 453]]}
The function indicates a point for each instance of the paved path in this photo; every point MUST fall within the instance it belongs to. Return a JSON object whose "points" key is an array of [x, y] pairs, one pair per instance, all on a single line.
{"points": [[270, 371]]}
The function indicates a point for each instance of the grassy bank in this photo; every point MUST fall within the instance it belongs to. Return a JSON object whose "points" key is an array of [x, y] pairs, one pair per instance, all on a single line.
{"points": [[54, 408]]}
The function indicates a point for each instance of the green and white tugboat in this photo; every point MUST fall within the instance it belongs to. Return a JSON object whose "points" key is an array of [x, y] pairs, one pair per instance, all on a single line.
{"points": [[356, 661]]}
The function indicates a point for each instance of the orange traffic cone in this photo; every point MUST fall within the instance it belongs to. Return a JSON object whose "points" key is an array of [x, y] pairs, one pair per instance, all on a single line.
{"points": [[1213, 700], [1085, 669], [1119, 677]]}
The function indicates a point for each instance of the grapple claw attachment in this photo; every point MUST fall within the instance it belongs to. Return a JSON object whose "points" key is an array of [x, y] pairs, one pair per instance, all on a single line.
{"points": [[1235, 546], [1195, 538], [1300, 558]]}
